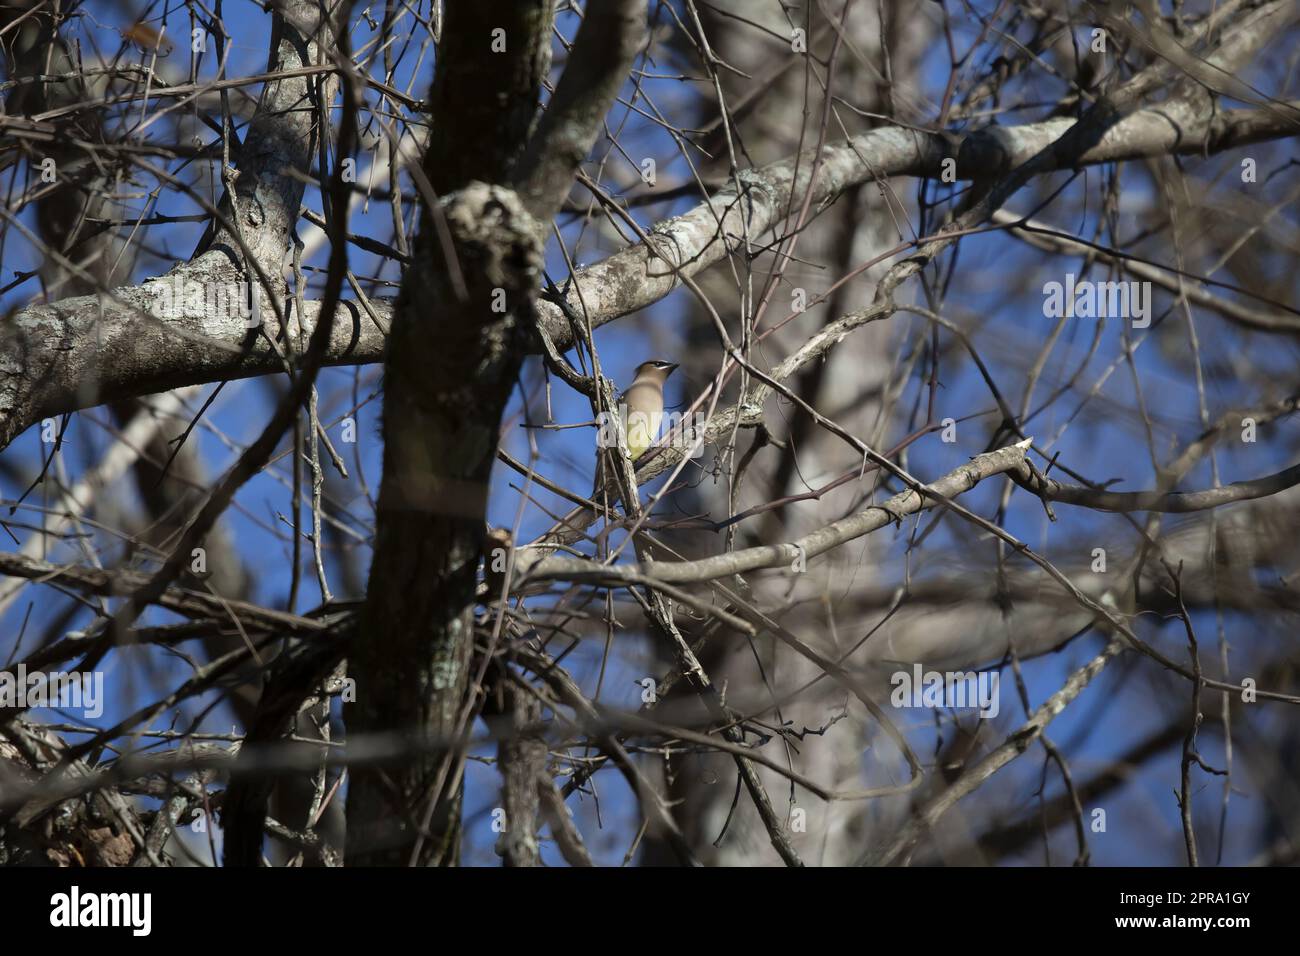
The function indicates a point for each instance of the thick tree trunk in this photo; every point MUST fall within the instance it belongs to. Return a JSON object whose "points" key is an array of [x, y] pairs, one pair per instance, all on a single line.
{"points": [[451, 368], [459, 336]]}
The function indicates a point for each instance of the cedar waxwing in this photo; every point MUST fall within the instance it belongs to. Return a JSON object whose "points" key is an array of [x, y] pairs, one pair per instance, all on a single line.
{"points": [[643, 405], [147, 38]]}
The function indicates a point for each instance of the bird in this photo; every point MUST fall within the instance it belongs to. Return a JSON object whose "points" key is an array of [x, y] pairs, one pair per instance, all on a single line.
{"points": [[642, 405], [641, 408], [641, 411], [147, 38]]}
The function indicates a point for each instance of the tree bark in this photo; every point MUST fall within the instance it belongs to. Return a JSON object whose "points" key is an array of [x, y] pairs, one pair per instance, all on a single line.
{"points": [[459, 335]]}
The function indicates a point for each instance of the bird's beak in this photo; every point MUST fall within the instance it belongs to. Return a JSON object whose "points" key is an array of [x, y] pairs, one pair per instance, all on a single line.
{"points": [[670, 369]]}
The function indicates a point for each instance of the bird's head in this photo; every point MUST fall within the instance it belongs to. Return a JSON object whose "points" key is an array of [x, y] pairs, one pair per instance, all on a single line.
{"points": [[656, 369]]}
